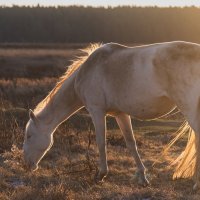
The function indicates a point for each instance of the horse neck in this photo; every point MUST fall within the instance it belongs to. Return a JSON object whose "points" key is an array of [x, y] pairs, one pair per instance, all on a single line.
{"points": [[61, 106]]}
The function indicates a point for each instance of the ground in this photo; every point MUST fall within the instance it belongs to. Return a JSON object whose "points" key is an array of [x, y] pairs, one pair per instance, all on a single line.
{"points": [[27, 74]]}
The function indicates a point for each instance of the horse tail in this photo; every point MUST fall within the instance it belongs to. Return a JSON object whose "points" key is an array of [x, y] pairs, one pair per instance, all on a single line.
{"points": [[186, 162]]}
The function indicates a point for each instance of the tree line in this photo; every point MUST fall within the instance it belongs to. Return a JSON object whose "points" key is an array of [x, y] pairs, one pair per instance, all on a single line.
{"points": [[87, 24]]}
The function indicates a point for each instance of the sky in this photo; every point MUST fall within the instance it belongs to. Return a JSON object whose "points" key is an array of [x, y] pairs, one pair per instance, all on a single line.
{"points": [[106, 3]]}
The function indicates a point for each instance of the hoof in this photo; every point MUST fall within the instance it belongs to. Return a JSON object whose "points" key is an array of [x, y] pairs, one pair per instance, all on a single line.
{"points": [[141, 179], [99, 177]]}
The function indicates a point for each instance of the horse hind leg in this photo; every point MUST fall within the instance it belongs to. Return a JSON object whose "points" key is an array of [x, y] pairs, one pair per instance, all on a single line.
{"points": [[188, 163], [193, 149], [124, 122]]}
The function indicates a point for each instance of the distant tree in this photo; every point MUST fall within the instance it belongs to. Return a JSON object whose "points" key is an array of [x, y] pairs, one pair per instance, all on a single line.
{"points": [[86, 24]]}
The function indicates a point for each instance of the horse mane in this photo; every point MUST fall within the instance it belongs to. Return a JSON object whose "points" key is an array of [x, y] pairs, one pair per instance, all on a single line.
{"points": [[70, 70]]}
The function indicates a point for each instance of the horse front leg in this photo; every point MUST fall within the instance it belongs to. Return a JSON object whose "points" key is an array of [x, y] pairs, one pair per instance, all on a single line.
{"points": [[98, 118], [124, 122]]}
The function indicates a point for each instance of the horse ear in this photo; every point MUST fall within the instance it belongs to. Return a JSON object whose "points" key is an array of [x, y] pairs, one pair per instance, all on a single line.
{"points": [[32, 115]]}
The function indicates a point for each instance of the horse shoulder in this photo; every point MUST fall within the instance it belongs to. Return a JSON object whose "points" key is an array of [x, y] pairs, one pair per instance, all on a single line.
{"points": [[92, 76], [98, 59]]}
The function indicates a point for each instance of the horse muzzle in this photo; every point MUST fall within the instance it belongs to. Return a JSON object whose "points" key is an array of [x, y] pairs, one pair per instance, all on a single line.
{"points": [[29, 165]]}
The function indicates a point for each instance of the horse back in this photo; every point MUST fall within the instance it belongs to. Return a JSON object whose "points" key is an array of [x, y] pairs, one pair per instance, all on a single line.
{"points": [[124, 78]]}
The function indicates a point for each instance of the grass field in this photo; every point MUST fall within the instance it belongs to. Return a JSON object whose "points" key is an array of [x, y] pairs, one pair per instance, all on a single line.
{"points": [[27, 74]]}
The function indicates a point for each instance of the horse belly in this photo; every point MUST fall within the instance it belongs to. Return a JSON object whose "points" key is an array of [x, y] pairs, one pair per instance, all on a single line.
{"points": [[152, 108], [145, 108]]}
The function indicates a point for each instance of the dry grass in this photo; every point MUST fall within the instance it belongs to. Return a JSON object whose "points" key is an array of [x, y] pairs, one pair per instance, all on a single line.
{"points": [[34, 62], [69, 168]]}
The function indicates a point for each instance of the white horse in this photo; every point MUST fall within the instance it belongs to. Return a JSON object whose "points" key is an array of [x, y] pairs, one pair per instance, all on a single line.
{"points": [[145, 82]]}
